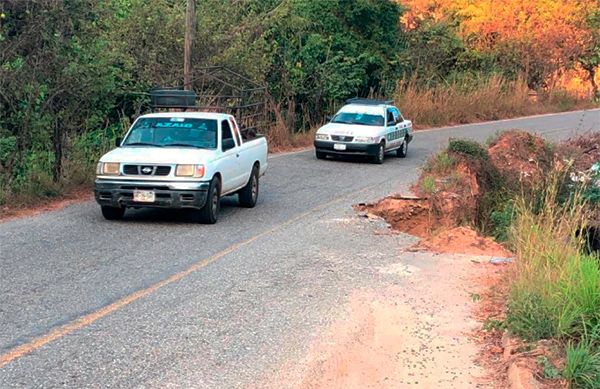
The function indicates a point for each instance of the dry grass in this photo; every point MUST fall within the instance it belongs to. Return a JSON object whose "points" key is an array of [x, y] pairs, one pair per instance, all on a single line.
{"points": [[492, 98], [279, 136]]}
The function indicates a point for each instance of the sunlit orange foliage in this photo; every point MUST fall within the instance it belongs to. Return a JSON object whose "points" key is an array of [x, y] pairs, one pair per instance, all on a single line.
{"points": [[546, 33], [540, 38], [419, 10]]}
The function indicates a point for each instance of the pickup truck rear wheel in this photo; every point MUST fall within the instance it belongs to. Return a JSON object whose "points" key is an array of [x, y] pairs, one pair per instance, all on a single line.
{"points": [[210, 211], [401, 152], [379, 157], [112, 213], [249, 194]]}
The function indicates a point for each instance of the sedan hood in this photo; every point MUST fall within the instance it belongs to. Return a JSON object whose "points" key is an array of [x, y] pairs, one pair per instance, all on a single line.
{"points": [[348, 129], [158, 155]]}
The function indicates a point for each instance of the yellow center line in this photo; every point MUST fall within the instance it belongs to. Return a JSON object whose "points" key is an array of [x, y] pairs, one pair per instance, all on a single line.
{"points": [[86, 320]]}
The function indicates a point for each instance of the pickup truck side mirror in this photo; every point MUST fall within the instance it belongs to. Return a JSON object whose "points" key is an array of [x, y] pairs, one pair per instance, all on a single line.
{"points": [[227, 144], [328, 118], [118, 141]]}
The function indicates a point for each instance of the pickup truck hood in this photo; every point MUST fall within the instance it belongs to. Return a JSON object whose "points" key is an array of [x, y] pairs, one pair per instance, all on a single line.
{"points": [[158, 155], [348, 129]]}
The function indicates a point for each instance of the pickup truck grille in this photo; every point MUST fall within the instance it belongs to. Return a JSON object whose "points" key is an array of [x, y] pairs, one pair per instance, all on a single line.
{"points": [[342, 138], [146, 170]]}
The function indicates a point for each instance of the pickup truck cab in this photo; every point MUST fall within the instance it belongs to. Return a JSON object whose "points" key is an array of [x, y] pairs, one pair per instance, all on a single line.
{"points": [[365, 127], [181, 160]]}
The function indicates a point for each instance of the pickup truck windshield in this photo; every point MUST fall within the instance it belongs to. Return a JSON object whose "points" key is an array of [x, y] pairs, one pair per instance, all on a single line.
{"points": [[173, 131], [358, 118]]}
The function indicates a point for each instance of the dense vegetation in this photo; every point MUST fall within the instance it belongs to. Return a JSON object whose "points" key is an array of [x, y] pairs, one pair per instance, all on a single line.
{"points": [[549, 215], [555, 287], [67, 68]]}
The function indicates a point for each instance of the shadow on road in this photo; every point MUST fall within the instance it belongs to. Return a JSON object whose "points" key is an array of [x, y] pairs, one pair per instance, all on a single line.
{"points": [[176, 216]]}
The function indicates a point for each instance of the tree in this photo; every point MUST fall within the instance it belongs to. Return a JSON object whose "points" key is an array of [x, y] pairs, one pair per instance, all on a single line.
{"points": [[590, 57]]}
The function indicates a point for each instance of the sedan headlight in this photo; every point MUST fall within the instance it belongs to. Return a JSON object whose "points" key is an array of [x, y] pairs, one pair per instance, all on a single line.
{"points": [[366, 139], [322, 137], [108, 168], [196, 171]]}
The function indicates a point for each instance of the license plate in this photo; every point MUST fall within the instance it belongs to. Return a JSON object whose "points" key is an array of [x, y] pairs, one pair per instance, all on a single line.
{"points": [[339, 146], [144, 196]]}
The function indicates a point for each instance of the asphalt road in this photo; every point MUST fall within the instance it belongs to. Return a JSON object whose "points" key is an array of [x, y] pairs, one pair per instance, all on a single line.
{"points": [[157, 300]]}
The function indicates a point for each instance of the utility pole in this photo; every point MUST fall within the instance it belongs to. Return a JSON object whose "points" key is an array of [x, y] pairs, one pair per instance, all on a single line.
{"points": [[190, 32]]}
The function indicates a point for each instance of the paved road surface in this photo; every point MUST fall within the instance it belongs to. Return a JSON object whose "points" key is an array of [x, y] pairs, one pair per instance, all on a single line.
{"points": [[157, 300]]}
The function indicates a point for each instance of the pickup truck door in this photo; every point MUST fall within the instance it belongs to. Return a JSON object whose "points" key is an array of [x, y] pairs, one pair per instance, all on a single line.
{"points": [[245, 159], [229, 164]]}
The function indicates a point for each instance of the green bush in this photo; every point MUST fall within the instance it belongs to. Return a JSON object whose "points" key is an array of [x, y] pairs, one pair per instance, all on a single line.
{"points": [[529, 316], [582, 365], [501, 220], [439, 163], [428, 185], [468, 148]]}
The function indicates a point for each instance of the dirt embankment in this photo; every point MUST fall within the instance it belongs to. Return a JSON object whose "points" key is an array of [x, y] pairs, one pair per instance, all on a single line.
{"points": [[460, 187]]}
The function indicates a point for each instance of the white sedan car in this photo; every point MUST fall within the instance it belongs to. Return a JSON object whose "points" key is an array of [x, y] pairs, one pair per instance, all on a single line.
{"points": [[365, 127]]}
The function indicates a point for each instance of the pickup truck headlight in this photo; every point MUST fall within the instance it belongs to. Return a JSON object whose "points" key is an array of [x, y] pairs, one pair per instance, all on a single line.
{"points": [[366, 139], [196, 171], [108, 168], [322, 137]]}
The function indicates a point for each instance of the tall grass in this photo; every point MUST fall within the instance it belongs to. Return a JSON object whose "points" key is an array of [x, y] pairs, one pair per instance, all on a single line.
{"points": [[555, 291], [552, 278], [468, 101]]}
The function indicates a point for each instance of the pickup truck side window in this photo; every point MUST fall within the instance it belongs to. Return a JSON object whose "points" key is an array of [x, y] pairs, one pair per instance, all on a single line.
{"points": [[236, 131], [227, 141]]}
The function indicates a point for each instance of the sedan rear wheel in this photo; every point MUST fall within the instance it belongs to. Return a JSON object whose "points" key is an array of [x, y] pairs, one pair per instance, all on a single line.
{"points": [[401, 152]]}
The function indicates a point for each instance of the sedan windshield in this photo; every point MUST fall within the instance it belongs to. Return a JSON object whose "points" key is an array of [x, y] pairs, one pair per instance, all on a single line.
{"points": [[358, 118], [173, 132]]}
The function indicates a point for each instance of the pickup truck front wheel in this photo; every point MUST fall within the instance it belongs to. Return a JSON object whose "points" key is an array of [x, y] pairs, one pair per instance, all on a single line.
{"points": [[112, 213], [210, 211], [249, 194]]}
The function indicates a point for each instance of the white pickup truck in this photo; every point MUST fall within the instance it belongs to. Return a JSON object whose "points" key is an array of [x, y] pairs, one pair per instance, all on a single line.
{"points": [[365, 127], [180, 160]]}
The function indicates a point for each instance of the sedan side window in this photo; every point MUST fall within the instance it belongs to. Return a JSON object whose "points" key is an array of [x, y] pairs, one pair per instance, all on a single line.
{"points": [[397, 116], [390, 118]]}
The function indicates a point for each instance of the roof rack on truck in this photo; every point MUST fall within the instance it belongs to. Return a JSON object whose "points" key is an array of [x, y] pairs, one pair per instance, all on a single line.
{"points": [[364, 101], [219, 89]]}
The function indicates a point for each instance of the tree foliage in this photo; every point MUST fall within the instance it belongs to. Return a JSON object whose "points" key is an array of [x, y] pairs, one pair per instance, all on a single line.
{"points": [[68, 68]]}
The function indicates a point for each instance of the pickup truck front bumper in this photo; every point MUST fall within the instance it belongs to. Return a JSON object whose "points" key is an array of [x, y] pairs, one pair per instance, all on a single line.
{"points": [[168, 194], [327, 147]]}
